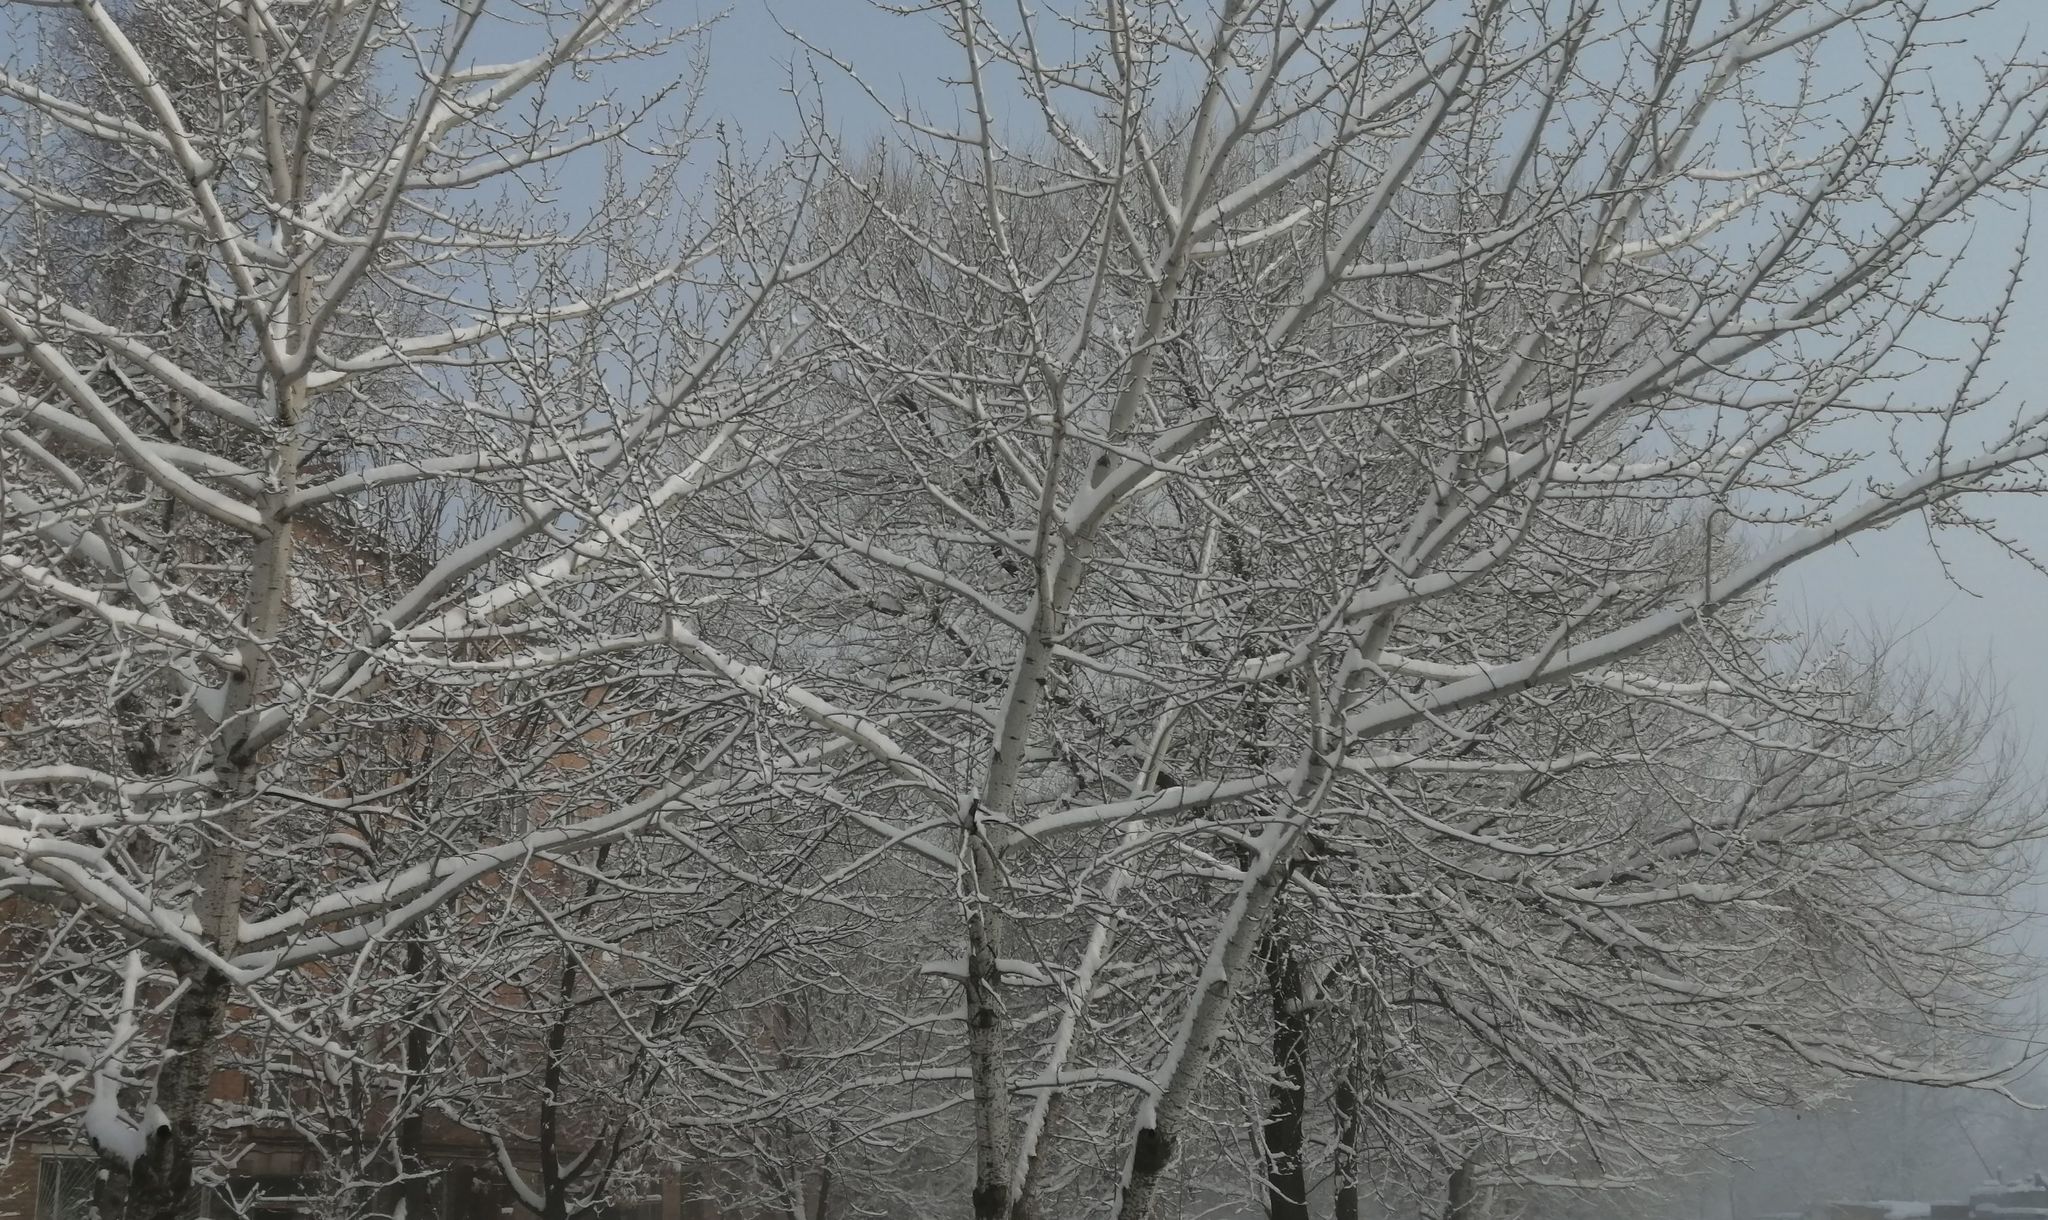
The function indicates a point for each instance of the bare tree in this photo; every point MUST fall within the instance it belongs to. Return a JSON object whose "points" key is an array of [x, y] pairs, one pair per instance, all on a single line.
{"points": [[1409, 420], [1235, 583], [237, 674]]}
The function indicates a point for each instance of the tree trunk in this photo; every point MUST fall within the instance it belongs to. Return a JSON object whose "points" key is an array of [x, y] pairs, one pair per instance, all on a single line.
{"points": [[554, 1181], [1154, 1143], [1350, 1154], [1462, 1193], [991, 1197], [160, 1183], [1286, 1162], [416, 1187], [823, 1207]]}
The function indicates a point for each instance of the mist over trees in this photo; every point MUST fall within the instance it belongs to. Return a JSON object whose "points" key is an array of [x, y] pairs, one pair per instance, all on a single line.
{"points": [[1891, 1142], [1191, 632]]}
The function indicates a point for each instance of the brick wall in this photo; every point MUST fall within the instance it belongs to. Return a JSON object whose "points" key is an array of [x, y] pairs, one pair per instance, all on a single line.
{"points": [[17, 1183]]}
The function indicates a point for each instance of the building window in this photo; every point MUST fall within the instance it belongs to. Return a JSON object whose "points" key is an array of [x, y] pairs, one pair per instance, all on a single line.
{"points": [[64, 1186]]}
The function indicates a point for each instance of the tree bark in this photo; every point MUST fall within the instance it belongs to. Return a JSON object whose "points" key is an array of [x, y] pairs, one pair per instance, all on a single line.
{"points": [[416, 1187], [1350, 1156], [554, 1180], [1287, 1103], [1154, 1144], [1462, 1194], [160, 1183]]}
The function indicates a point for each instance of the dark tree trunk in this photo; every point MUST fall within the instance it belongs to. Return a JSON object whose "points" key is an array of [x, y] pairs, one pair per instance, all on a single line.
{"points": [[1462, 1194], [824, 1205], [1350, 1155], [418, 1190], [554, 1180], [110, 1191], [160, 1185], [1287, 1105]]}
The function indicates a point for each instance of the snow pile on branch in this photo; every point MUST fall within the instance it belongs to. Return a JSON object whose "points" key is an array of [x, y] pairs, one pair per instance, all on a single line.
{"points": [[112, 1132]]}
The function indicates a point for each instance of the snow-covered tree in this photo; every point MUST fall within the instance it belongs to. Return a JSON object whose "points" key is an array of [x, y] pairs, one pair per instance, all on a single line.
{"points": [[1232, 581], [1335, 462], [312, 624]]}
